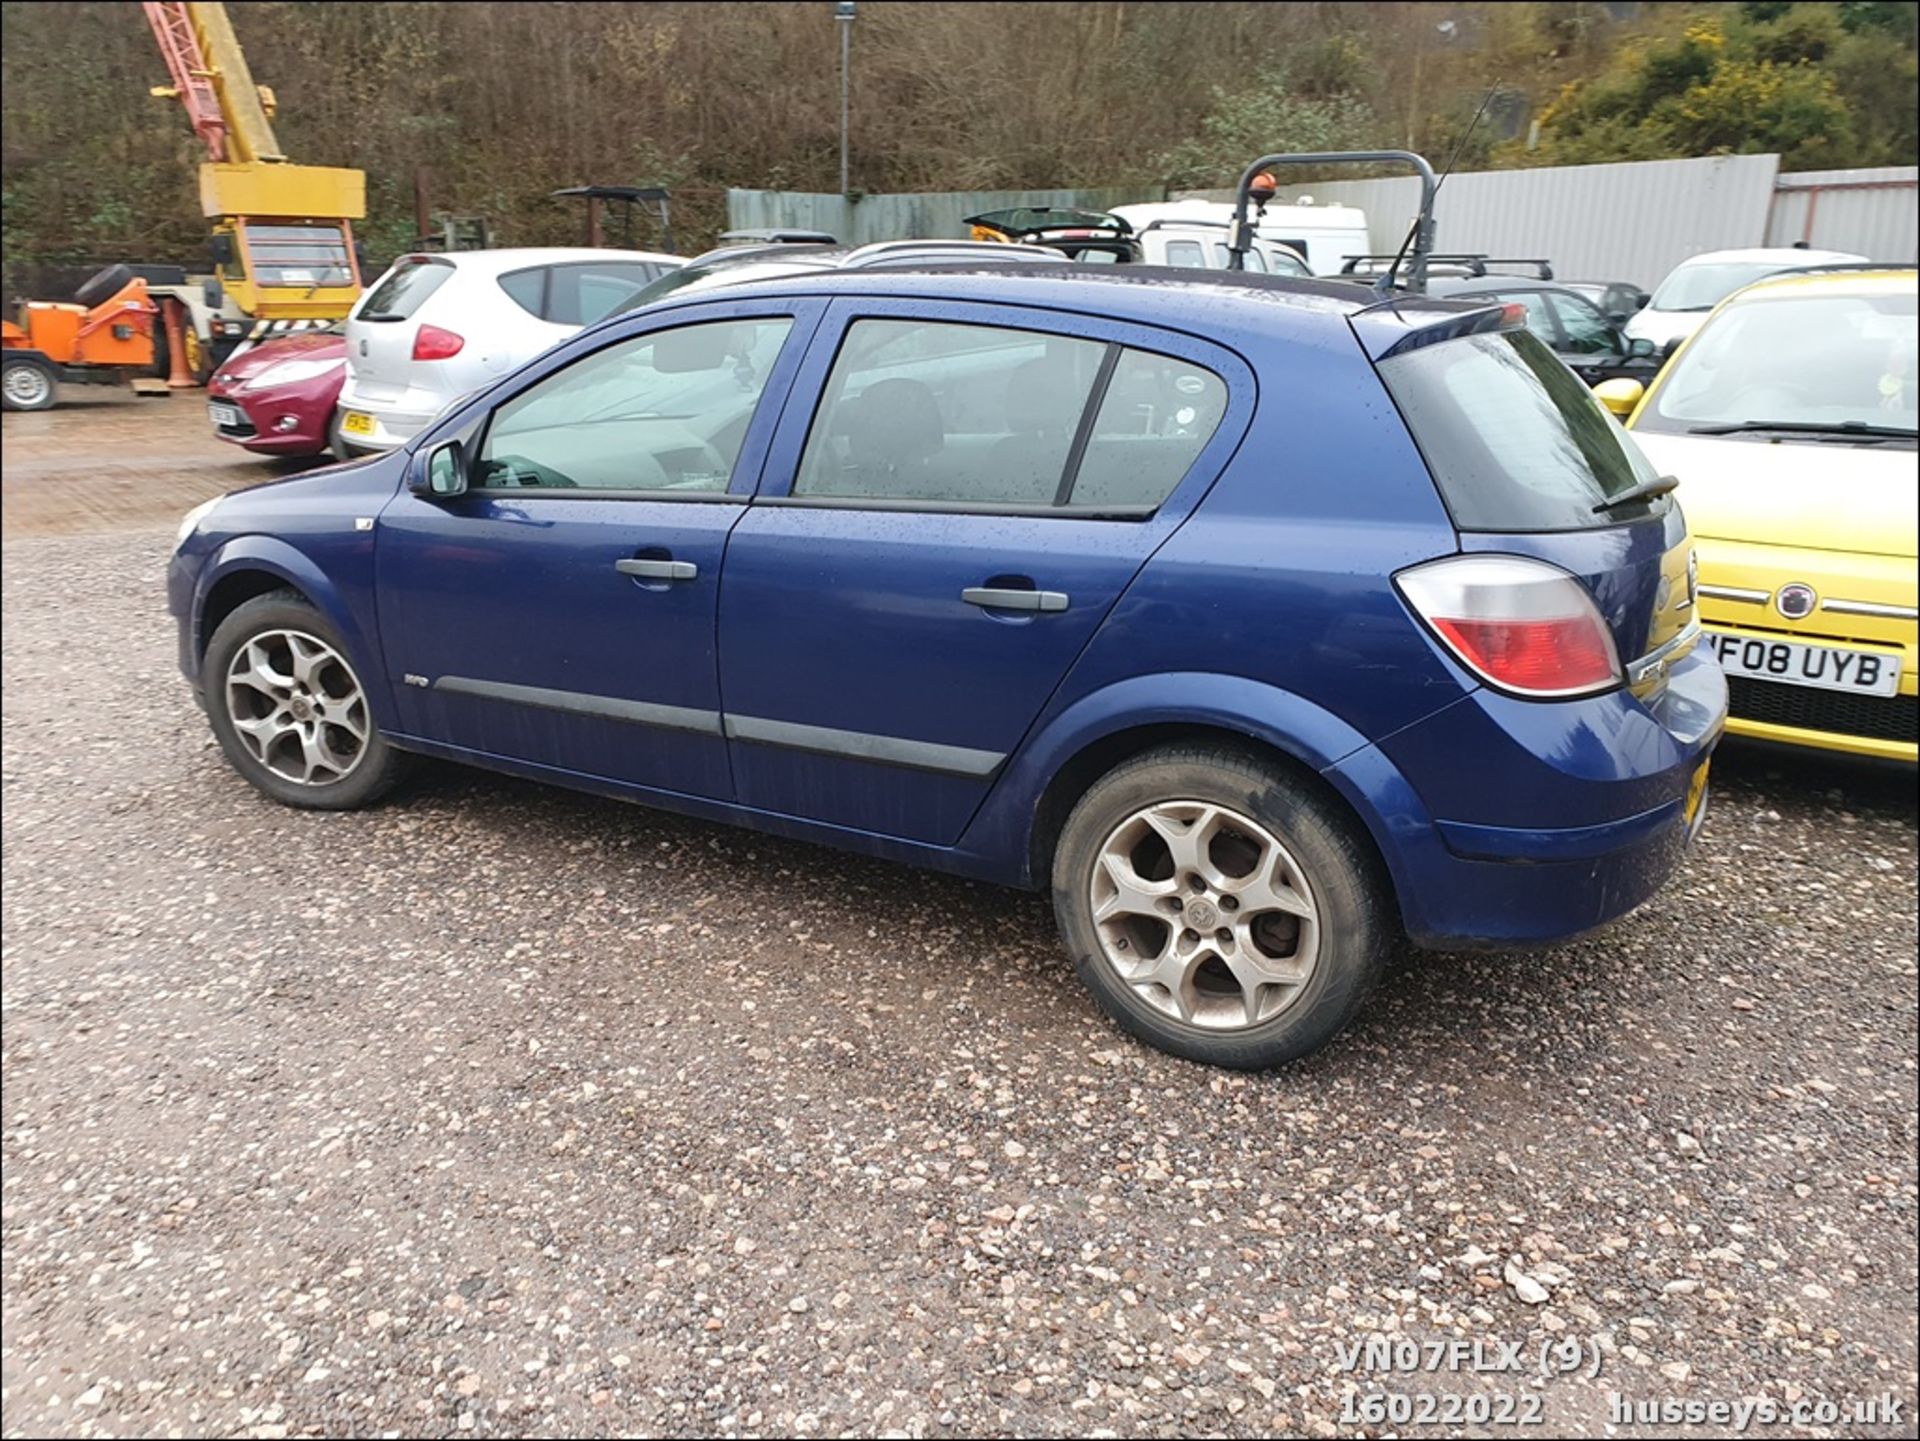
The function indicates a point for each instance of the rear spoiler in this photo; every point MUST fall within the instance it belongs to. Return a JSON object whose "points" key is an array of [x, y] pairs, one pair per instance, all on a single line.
{"points": [[1409, 322]]}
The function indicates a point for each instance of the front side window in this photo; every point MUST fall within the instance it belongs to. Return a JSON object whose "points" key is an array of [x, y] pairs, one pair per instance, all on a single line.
{"points": [[981, 416], [664, 412], [1539, 319], [1583, 329]]}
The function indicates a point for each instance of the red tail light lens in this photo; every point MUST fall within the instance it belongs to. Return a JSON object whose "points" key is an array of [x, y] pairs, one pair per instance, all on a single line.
{"points": [[430, 342], [1521, 625]]}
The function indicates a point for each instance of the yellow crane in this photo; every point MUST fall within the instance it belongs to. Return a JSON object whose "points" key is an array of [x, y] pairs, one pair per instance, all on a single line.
{"points": [[282, 244]]}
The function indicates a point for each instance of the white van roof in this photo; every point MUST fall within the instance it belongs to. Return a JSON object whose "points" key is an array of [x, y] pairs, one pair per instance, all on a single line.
{"points": [[1291, 218]]}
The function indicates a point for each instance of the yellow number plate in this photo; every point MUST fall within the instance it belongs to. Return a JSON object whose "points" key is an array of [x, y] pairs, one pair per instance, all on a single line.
{"points": [[1696, 791], [355, 422]]}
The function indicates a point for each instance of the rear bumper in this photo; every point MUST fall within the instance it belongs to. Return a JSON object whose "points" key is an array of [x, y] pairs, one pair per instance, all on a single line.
{"points": [[1457, 803], [395, 421]]}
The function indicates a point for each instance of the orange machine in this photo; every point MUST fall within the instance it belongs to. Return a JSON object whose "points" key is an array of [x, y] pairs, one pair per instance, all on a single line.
{"points": [[104, 337]]}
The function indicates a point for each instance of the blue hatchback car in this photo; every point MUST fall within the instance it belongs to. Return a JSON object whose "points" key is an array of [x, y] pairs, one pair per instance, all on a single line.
{"points": [[1261, 623]]}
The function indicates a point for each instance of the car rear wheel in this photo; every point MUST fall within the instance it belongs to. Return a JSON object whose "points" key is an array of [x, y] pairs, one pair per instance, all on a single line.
{"points": [[26, 383], [289, 710], [1220, 908]]}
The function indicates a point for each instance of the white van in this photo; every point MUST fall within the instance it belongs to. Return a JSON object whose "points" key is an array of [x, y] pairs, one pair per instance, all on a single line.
{"points": [[1325, 234]]}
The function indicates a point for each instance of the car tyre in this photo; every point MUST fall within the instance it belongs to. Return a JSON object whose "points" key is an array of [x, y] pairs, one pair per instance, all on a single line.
{"points": [[28, 383], [1297, 909], [301, 704]]}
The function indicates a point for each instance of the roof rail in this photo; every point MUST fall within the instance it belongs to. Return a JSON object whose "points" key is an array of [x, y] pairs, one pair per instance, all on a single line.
{"points": [[1843, 266], [993, 252]]}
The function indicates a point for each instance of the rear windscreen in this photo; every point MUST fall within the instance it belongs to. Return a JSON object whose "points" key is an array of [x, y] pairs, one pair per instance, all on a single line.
{"points": [[404, 289], [1514, 440]]}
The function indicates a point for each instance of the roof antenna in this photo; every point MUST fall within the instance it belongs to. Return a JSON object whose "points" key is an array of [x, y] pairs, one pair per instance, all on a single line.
{"points": [[1384, 285]]}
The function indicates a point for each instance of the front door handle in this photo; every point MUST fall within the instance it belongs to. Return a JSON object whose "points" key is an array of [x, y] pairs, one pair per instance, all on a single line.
{"points": [[1006, 598], [657, 569]]}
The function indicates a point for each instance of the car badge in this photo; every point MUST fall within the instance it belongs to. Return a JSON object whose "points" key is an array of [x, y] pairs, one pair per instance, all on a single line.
{"points": [[1795, 601]]}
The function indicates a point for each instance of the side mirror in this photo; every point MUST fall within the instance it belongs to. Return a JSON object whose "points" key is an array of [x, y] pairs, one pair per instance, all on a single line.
{"points": [[1640, 301], [221, 248], [1619, 396], [445, 475], [214, 293], [1641, 348]]}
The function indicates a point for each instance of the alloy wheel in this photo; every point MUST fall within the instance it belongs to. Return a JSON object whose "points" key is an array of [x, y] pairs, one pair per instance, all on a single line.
{"points": [[1204, 914], [297, 707]]}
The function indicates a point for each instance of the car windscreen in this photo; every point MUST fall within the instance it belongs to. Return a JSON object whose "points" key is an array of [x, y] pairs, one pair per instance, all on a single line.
{"points": [[1513, 439], [404, 289], [1701, 287], [1806, 360]]}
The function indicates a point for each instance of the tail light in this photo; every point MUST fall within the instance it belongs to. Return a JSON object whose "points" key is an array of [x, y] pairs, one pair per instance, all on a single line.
{"points": [[430, 342], [1521, 625]]}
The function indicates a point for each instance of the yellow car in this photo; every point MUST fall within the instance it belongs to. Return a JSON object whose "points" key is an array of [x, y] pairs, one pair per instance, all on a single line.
{"points": [[1788, 419]]}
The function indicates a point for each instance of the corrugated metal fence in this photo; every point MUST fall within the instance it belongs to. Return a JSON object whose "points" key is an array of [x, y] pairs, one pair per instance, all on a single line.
{"points": [[932, 214], [1869, 211], [1595, 222]]}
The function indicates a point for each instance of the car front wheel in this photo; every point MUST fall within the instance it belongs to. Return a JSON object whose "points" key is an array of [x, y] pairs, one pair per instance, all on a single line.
{"points": [[1219, 907], [289, 710]]}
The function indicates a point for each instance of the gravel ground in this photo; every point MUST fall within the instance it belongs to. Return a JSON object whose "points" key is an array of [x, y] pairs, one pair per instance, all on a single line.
{"points": [[501, 1110]]}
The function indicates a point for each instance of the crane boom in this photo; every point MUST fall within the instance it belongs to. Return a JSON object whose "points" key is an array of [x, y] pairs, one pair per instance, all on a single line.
{"points": [[282, 241]]}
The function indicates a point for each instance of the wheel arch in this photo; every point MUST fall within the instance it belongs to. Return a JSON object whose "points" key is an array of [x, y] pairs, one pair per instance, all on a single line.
{"points": [[1088, 739], [252, 565]]}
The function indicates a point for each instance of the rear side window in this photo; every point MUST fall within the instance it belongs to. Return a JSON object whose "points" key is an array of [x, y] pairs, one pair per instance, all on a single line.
{"points": [[979, 416], [527, 288], [1513, 439], [404, 289], [1185, 254], [582, 294]]}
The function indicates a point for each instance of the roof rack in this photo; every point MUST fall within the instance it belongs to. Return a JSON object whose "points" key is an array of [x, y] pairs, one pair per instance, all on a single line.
{"points": [[1474, 264]]}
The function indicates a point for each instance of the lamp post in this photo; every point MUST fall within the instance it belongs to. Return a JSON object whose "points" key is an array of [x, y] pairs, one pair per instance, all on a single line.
{"points": [[843, 13]]}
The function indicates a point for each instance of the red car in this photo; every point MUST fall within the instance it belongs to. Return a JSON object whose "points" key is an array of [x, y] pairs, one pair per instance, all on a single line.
{"points": [[278, 398]]}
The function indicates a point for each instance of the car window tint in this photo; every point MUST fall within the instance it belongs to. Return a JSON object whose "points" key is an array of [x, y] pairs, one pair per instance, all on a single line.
{"points": [[663, 412], [527, 288], [1583, 329], [1185, 254], [404, 289], [948, 413], [1157, 415], [1513, 439], [582, 294]]}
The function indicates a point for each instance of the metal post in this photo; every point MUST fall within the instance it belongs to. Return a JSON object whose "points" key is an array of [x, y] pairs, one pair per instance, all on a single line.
{"points": [[843, 13]]}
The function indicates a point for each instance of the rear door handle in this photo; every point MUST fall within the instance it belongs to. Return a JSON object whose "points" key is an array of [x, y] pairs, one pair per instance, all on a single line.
{"points": [[658, 569], [997, 598]]}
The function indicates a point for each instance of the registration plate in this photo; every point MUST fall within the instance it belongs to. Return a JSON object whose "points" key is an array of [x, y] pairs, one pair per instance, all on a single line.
{"points": [[222, 414], [1792, 662], [356, 422], [1696, 793]]}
